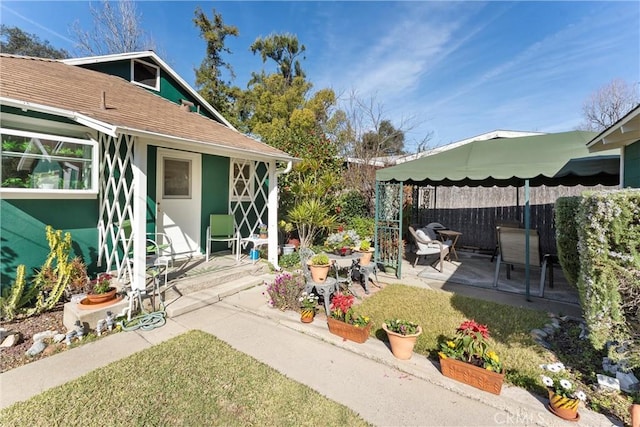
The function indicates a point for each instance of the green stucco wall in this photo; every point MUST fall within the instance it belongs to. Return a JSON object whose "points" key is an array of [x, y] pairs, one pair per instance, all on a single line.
{"points": [[22, 232], [632, 165], [215, 193]]}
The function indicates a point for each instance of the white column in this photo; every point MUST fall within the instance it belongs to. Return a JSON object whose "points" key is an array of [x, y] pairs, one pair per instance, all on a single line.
{"points": [[139, 222], [272, 222]]}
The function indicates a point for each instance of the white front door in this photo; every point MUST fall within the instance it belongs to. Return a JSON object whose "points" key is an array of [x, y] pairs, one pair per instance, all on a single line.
{"points": [[178, 188]]}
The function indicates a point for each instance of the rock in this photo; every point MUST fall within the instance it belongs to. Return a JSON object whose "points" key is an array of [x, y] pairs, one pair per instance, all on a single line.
{"points": [[51, 349], [609, 367], [584, 334], [41, 336], [548, 329], [543, 343], [37, 348], [628, 382], [11, 340], [3, 334], [608, 382], [59, 338], [539, 333], [555, 323]]}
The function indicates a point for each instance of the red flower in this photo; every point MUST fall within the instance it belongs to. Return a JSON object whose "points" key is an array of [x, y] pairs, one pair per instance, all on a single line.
{"points": [[471, 327]]}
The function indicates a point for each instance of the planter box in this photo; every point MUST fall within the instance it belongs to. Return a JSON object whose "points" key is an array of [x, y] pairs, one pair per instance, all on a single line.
{"points": [[472, 375], [347, 331]]}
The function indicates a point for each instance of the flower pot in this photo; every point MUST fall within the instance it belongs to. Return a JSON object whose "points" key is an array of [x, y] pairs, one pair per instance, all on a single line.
{"points": [[307, 315], [263, 235], [294, 242], [472, 375], [401, 345], [564, 407], [102, 298], [634, 410], [288, 249], [347, 331], [365, 257], [319, 273]]}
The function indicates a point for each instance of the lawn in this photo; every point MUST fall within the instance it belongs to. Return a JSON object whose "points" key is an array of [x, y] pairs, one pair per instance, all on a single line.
{"points": [[193, 379]]}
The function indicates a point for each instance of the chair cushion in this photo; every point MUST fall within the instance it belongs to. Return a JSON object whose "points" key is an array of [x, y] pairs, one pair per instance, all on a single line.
{"points": [[423, 248], [430, 232]]}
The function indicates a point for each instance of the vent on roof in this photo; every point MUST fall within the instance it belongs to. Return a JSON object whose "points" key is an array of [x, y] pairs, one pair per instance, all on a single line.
{"points": [[186, 105]]}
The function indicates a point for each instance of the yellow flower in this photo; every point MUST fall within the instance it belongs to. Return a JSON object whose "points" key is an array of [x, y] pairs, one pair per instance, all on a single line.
{"points": [[451, 344], [493, 356], [442, 355]]}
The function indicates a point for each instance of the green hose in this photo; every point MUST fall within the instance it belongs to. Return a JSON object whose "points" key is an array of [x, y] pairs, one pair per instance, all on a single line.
{"points": [[146, 321]]}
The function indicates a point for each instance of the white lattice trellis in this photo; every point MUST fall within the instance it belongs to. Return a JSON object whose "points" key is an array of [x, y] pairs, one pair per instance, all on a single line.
{"points": [[116, 202], [242, 201]]}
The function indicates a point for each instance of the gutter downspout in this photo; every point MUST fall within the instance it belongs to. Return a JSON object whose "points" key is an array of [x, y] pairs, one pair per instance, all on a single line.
{"points": [[272, 221]]}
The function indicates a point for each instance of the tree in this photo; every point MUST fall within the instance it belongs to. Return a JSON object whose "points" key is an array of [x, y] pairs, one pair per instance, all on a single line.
{"points": [[15, 41], [116, 29], [283, 49], [209, 80], [386, 140], [608, 104]]}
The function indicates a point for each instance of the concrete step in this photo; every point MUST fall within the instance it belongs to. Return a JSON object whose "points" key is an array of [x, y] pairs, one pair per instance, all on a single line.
{"points": [[176, 305]]}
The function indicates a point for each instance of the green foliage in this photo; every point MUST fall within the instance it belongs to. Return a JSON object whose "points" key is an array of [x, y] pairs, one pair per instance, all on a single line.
{"points": [[365, 245], [15, 41], [350, 205], [310, 217], [283, 49], [566, 209], [402, 327], [364, 226], [289, 260], [609, 280], [11, 303], [320, 259]]}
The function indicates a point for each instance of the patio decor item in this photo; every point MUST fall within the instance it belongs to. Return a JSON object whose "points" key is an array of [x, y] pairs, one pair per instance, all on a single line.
{"points": [[345, 323], [402, 336], [319, 266], [366, 252], [467, 358], [563, 396], [100, 290], [308, 304]]}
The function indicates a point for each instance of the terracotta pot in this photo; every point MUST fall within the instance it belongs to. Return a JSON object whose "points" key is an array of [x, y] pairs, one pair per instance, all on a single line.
{"points": [[564, 407], [634, 410], [263, 235], [307, 315], [474, 376], [365, 257], [319, 273], [294, 242], [347, 331], [401, 345], [101, 298]]}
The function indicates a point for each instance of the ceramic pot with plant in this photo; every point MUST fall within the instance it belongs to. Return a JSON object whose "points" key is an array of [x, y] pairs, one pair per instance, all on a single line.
{"points": [[100, 290], [366, 252], [344, 322], [467, 357], [263, 231], [319, 267], [308, 303], [402, 336], [564, 398]]}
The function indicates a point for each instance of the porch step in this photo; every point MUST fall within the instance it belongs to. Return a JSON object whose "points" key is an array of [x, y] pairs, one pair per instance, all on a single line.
{"points": [[192, 293]]}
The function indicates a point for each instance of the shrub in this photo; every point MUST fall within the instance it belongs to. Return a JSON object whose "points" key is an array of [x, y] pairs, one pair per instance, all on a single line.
{"points": [[365, 227], [566, 209], [349, 205], [285, 291], [289, 260]]}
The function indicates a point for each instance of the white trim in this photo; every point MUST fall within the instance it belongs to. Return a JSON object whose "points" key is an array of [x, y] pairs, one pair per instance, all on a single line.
{"points": [[139, 222], [80, 118], [248, 180], [622, 133], [156, 87], [163, 65]]}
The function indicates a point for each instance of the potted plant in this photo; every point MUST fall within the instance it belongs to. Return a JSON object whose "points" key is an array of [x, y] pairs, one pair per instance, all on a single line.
{"points": [[99, 290], [634, 411], [467, 358], [563, 396], [319, 267], [402, 336], [345, 323], [308, 304], [263, 230], [342, 241], [366, 252]]}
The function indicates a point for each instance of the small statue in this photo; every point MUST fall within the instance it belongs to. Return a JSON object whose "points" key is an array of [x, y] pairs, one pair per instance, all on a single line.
{"points": [[100, 326], [110, 320], [79, 329]]}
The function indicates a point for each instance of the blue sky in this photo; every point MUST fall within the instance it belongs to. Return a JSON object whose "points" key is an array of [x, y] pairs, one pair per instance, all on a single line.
{"points": [[456, 69]]}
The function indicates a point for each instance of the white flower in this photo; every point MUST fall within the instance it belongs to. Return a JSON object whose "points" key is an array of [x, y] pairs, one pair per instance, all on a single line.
{"points": [[547, 381], [580, 395], [301, 299], [554, 367], [566, 384]]}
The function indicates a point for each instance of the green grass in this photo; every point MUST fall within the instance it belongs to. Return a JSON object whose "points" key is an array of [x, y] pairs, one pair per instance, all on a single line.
{"points": [[440, 313], [193, 379]]}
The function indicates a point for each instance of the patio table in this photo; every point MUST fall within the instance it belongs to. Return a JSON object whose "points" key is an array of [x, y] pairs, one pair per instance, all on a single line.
{"points": [[353, 263], [453, 236], [255, 240]]}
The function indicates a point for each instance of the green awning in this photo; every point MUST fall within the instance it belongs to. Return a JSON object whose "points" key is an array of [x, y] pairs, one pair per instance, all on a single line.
{"points": [[551, 159]]}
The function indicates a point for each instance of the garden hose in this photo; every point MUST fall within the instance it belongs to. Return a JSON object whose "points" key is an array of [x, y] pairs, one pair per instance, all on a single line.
{"points": [[147, 320]]}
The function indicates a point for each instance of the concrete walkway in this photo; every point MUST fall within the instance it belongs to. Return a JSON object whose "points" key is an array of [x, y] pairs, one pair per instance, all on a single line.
{"points": [[365, 377]]}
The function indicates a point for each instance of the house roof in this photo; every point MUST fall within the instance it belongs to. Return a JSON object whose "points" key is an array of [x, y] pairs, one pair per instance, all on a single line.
{"points": [[623, 132], [55, 87], [149, 54], [550, 159]]}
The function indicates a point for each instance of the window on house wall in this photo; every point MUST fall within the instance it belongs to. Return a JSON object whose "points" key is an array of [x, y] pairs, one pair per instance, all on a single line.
{"points": [[177, 179], [145, 74], [38, 162], [242, 186]]}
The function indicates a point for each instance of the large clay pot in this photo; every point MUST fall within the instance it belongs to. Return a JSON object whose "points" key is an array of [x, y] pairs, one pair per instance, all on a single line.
{"points": [[401, 345], [101, 298], [365, 257], [319, 273], [564, 407], [634, 410]]}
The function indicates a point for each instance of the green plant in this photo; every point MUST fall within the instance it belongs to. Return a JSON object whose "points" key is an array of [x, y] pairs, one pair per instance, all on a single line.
{"points": [[310, 217], [470, 345], [565, 211], [263, 229], [308, 301], [342, 239], [289, 260], [364, 226], [350, 205], [320, 259], [77, 275], [365, 246], [285, 291], [16, 298], [341, 309], [100, 285], [402, 327], [557, 380]]}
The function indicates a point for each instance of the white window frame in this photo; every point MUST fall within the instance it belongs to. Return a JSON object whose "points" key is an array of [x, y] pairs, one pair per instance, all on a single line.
{"points": [[148, 64], [42, 193], [249, 181], [189, 178]]}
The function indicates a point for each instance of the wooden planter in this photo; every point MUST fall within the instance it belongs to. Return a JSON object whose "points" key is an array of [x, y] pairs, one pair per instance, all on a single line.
{"points": [[472, 375], [347, 331]]}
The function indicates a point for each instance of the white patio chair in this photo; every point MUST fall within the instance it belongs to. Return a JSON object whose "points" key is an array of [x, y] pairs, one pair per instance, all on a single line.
{"points": [[429, 245]]}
